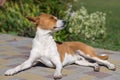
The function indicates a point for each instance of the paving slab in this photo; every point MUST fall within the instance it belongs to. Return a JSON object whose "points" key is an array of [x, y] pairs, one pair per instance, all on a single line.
{"points": [[15, 50]]}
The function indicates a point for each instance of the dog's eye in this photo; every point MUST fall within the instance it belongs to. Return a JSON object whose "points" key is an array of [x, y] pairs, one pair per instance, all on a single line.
{"points": [[54, 27], [51, 17]]}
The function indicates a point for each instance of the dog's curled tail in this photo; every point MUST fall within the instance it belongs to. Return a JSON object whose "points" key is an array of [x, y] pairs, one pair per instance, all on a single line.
{"points": [[103, 56]]}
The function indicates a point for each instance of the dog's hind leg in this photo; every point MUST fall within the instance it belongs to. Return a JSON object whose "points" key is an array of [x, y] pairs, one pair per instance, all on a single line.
{"points": [[27, 64], [99, 59], [106, 63], [84, 62]]}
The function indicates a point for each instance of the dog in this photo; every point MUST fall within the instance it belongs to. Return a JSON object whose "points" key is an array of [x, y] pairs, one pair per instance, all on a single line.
{"points": [[58, 55]]}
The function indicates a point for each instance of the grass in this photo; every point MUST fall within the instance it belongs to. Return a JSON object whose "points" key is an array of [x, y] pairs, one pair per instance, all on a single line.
{"points": [[112, 8]]}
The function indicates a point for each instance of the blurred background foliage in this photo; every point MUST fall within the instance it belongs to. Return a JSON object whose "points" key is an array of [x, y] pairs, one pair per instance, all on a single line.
{"points": [[13, 13], [13, 21]]}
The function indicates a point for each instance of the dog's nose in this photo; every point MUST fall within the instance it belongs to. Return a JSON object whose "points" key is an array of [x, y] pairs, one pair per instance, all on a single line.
{"points": [[64, 22]]}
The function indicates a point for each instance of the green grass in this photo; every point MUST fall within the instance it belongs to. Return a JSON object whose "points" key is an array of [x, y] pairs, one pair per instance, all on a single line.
{"points": [[112, 8]]}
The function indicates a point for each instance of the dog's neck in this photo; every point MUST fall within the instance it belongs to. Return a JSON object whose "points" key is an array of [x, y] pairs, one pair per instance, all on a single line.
{"points": [[44, 37], [43, 33]]}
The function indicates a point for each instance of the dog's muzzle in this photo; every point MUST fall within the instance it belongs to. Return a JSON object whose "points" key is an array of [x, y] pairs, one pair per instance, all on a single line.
{"points": [[60, 25]]}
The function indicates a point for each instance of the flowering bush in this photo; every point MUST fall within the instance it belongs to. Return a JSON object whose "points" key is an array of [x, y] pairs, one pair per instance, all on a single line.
{"points": [[84, 25]]}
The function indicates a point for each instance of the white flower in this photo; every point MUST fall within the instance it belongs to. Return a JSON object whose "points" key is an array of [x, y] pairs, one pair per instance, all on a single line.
{"points": [[70, 6], [88, 25], [73, 14], [80, 17]]}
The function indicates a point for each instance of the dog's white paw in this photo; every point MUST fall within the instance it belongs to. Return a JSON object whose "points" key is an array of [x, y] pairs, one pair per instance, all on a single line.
{"points": [[96, 67], [10, 72], [57, 75], [112, 67]]}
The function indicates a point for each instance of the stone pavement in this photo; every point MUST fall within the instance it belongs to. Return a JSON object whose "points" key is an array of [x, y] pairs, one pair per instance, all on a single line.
{"points": [[14, 50]]}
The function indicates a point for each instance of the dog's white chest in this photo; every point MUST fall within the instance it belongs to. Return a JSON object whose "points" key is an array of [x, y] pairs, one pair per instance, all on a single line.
{"points": [[46, 49]]}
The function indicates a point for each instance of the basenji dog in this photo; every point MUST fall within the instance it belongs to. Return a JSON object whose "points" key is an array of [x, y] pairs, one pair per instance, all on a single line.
{"points": [[58, 55]]}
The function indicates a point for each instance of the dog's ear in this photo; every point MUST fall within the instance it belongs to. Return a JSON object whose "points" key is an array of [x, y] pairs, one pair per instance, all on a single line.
{"points": [[32, 19], [43, 13]]}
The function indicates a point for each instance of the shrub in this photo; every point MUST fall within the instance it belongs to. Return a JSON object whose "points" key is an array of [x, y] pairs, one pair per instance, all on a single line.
{"points": [[84, 25], [12, 15], [80, 25]]}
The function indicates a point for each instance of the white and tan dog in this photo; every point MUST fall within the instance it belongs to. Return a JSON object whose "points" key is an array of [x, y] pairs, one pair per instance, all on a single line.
{"points": [[58, 55]]}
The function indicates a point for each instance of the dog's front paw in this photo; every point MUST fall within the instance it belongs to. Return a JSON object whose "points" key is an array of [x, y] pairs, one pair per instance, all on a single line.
{"points": [[57, 76], [10, 72], [96, 67]]}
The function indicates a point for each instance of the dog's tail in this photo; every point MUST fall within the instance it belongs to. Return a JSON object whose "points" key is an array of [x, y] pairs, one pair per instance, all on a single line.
{"points": [[103, 56]]}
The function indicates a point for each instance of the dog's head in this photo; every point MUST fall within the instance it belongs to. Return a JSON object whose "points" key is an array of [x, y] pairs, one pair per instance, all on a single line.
{"points": [[48, 22]]}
